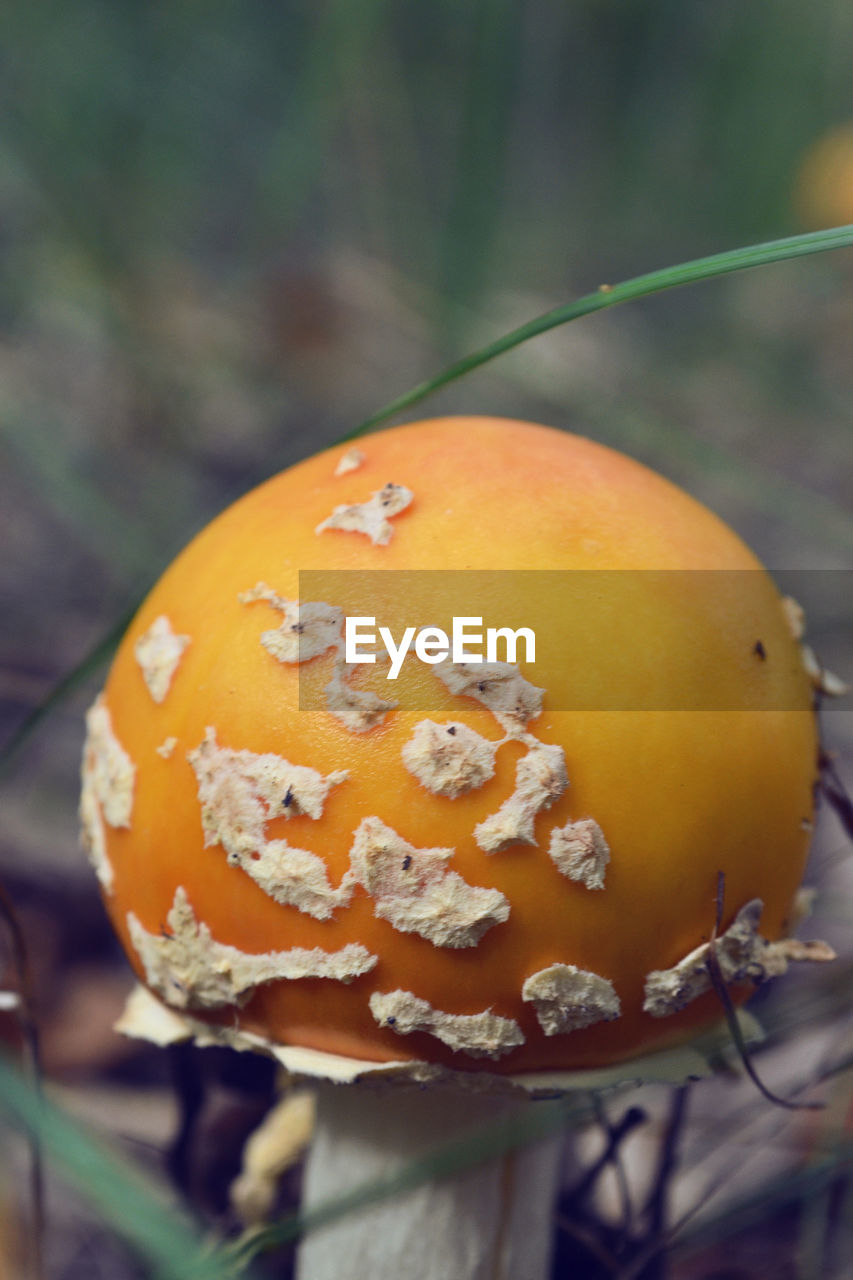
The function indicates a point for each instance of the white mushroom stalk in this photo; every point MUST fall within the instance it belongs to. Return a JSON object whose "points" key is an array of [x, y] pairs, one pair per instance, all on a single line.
{"points": [[491, 1220], [441, 1174]]}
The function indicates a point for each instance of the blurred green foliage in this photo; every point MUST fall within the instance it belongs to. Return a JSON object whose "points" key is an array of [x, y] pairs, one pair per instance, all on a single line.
{"points": [[465, 143]]}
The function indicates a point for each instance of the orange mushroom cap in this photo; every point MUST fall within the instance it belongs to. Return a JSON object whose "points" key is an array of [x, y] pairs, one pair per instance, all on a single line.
{"points": [[475, 876]]}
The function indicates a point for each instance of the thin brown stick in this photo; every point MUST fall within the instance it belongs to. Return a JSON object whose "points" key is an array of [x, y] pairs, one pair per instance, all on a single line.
{"points": [[590, 1241], [648, 1260], [655, 1209], [720, 987], [614, 1134]]}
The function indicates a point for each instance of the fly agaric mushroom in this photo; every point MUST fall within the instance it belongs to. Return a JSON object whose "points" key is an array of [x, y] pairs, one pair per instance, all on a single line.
{"points": [[490, 875]]}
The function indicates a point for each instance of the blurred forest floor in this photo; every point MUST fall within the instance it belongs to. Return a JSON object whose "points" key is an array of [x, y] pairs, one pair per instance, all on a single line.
{"points": [[228, 235]]}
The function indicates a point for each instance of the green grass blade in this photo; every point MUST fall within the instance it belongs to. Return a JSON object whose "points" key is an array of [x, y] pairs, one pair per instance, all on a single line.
{"points": [[65, 686], [122, 1195], [718, 264]]}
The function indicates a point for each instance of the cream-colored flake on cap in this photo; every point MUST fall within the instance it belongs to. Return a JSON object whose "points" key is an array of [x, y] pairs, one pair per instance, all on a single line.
{"points": [[371, 518], [540, 780], [580, 851], [795, 617], [825, 681], [415, 892], [189, 970], [828, 683], [349, 461], [108, 775], [107, 767], [449, 759], [567, 998], [479, 1035], [358, 710], [240, 791], [158, 652], [93, 837], [297, 878], [308, 628], [499, 686]]}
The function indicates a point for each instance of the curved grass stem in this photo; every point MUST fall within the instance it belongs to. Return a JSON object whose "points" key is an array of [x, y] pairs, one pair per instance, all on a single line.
{"points": [[717, 264]]}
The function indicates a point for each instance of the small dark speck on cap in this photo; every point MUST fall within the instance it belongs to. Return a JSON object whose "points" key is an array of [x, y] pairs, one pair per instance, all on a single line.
{"points": [[759, 650]]}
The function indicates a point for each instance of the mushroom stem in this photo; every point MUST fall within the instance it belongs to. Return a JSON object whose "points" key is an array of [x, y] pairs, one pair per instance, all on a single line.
{"points": [[490, 1221]]}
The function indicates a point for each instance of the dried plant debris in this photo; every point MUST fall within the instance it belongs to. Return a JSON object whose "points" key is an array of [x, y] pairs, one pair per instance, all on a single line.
{"points": [[358, 710], [479, 1035], [778, 955], [499, 686], [108, 776], [349, 461], [307, 629], [804, 905], [449, 759], [189, 970], [567, 998], [742, 955], [278, 1143], [371, 518], [580, 852], [415, 892], [540, 780], [158, 652]]}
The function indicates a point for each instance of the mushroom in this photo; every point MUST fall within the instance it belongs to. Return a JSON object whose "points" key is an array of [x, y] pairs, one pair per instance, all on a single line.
{"points": [[445, 892]]}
